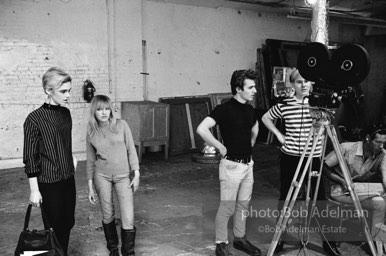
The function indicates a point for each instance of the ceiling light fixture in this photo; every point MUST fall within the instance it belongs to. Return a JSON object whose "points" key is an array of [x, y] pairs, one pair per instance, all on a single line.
{"points": [[310, 2]]}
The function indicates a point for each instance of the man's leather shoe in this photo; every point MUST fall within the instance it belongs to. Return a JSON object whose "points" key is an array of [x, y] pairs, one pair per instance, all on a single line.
{"points": [[222, 249], [279, 247], [242, 244], [330, 248]]}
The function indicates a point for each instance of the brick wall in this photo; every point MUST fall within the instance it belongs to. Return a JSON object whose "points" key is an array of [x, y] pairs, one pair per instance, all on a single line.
{"points": [[78, 36], [23, 64]]}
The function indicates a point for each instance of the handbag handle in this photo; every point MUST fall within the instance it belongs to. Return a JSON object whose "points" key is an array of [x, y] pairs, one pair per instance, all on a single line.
{"points": [[28, 214]]}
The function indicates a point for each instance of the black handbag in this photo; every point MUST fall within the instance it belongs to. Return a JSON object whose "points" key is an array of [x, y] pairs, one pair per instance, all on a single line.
{"points": [[38, 240]]}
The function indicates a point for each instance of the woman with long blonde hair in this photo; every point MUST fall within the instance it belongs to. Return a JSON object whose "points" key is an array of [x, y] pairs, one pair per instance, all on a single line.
{"points": [[111, 159]]}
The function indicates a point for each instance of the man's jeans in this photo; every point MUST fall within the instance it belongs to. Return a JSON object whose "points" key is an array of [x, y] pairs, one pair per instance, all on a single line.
{"points": [[104, 185], [236, 184]]}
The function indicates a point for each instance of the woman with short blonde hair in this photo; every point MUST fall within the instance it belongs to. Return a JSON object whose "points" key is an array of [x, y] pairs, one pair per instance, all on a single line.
{"points": [[47, 155]]}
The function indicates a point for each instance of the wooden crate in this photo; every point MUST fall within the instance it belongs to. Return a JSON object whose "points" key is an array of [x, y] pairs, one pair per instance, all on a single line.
{"points": [[149, 123]]}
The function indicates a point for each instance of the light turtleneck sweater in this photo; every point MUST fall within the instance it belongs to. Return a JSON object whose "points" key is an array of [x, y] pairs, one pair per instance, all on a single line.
{"points": [[111, 153]]}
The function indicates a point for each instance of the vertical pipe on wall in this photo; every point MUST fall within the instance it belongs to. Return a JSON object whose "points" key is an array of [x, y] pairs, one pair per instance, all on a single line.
{"points": [[111, 46], [115, 79], [144, 73], [108, 43], [319, 22], [144, 70]]}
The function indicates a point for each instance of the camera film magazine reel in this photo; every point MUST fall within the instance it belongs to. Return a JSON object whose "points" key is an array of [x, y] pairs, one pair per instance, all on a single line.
{"points": [[313, 61], [348, 66]]}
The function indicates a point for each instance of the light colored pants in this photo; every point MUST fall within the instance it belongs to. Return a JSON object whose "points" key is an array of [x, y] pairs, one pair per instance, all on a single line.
{"points": [[236, 184], [376, 204], [104, 185]]}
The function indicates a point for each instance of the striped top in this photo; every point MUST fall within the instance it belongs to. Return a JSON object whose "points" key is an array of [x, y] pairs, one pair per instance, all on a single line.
{"points": [[47, 151], [298, 122]]}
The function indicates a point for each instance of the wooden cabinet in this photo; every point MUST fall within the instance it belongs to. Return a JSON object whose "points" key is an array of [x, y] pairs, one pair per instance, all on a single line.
{"points": [[149, 123]]}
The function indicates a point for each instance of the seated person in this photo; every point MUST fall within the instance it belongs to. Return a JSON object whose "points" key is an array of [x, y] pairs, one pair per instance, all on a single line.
{"points": [[366, 162]]}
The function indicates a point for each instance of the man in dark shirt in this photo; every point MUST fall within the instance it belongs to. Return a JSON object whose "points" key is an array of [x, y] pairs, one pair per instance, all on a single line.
{"points": [[239, 128]]}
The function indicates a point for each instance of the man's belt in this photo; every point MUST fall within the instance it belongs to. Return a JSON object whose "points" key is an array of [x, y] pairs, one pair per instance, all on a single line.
{"points": [[238, 160]]}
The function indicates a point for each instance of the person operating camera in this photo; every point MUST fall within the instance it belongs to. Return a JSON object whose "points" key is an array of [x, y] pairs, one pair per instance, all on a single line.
{"points": [[294, 111]]}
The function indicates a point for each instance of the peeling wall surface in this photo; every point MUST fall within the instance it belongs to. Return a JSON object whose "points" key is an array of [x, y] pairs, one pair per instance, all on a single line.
{"points": [[88, 39], [194, 50], [190, 50]]}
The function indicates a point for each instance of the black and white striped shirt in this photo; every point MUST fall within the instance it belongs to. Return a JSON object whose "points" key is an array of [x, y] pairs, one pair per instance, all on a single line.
{"points": [[47, 151], [298, 122]]}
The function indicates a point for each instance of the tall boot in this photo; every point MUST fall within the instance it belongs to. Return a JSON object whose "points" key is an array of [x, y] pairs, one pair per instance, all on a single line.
{"points": [[111, 236], [128, 241]]}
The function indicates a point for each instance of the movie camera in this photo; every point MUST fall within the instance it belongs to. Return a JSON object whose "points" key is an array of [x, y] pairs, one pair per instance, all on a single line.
{"points": [[336, 78]]}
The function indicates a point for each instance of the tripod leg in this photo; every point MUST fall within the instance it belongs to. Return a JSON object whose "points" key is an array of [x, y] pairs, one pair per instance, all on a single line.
{"points": [[347, 177], [310, 211], [303, 232], [285, 211], [292, 195]]}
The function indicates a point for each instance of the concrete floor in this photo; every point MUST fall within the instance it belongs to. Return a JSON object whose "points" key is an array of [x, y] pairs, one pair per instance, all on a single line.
{"points": [[175, 208]]}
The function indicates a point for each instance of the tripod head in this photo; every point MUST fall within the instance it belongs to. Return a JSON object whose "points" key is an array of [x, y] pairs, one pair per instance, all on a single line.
{"points": [[322, 116]]}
